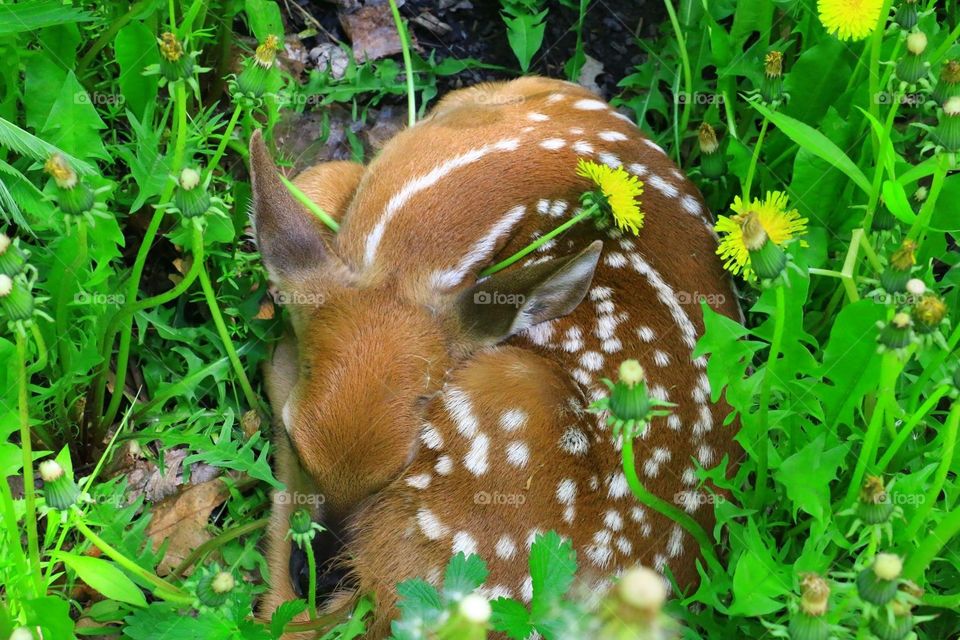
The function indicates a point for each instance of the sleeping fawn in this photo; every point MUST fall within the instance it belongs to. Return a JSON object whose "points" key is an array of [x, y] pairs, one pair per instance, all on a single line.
{"points": [[423, 410]]}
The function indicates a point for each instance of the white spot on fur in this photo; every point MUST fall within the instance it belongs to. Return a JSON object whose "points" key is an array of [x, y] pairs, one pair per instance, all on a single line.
{"points": [[581, 376], [623, 117], [566, 491], [705, 455], [526, 589], [476, 461], [537, 117], [543, 205], [552, 144], [576, 131], [652, 466], [600, 292], [689, 476], [430, 437], [513, 419], [615, 259], [587, 104], [609, 159], [612, 520], [558, 208], [464, 543], [430, 525], [540, 334], [618, 487], [505, 548], [675, 543], [637, 169], [653, 145], [673, 421], [666, 295], [419, 481], [591, 361], [663, 186], [555, 97], [599, 555], [638, 515], [518, 454], [574, 442], [444, 465], [661, 358], [624, 546], [611, 345], [569, 514], [612, 136], [494, 592], [690, 205], [460, 408], [573, 340], [646, 334], [582, 146]]}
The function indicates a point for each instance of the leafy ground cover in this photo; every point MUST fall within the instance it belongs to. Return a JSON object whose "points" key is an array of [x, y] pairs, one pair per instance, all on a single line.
{"points": [[135, 312]]}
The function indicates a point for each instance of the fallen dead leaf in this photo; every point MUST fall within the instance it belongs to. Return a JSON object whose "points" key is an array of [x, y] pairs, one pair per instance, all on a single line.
{"points": [[372, 32], [181, 521]]}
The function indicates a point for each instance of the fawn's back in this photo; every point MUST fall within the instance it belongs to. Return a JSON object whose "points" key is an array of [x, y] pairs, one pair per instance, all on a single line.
{"points": [[437, 413]]}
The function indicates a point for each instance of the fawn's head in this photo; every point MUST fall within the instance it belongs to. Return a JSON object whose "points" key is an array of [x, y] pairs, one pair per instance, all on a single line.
{"points": [[353, 382]]}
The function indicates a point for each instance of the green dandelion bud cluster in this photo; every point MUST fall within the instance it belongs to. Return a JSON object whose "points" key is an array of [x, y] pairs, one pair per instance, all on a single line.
{"points": [[73, 196], [948, 85], [928, 313], [260, 75], [213, 588], [897, 334], [302, 527], [175, 64], [630, 404], [808, 623], [895, 625], [712, 160], [947, 132], [192, 198], [883, 219], [59, 489], [897, 273], [914, 65], [17, 304], [907, 15], [771, 86], [874, 506], [878, 583], [12, 258]]}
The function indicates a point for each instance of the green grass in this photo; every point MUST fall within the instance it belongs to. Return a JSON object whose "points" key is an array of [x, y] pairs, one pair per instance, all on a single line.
{"points": [[124, 280]]}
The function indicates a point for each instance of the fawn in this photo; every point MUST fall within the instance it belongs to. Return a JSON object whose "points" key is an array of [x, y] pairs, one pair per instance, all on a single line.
{"points": [[437, 412]]}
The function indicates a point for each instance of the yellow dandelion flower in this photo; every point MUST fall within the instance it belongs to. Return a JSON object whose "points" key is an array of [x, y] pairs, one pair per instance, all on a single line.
{"points": [[780, 225], [619, 189], [850, 19]]}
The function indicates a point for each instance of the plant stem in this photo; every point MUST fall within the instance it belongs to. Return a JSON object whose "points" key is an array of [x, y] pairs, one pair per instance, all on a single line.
{"points": [[222, 147], [890, 368], [909, 426], [312, 580], [932, 368], [687, 73], [752, 170], [14, 545], [539, 242], [920, 226], [149, 303], [218, 541], [763, 463], [26, 447], [665, 508], [407, 63], [211, 298], [940, 477], [133, 285], [164, 589], [42, 357], [311, 206], [919, 560]]}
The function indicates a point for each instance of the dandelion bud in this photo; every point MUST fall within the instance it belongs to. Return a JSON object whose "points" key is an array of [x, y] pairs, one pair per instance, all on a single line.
{"points": [[874, 506], [21, 633], [468, 622], [16, 301], [300, 522], [175, 64], [192, 201], [913, 65], [916, 286], [948, 85], [475, 608], [214, 588], [878, 583], [712, 161], [266, 53], [643, 589], [883, 219], [631, 372], [12, 259], [896, 334], [928, 313], [920, 195], [895, 627], [73, 197], [947, 133], [907, 16], [814, 594], [59, 489], [766, 258], [259, 75], [771, 86], [895, 277]]}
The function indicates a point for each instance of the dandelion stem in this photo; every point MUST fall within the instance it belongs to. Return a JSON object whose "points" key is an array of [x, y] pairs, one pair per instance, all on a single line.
{"points": [[910, 425], [940, 476], [539, 242], [217, 542], [26, 447], [752, 170], [312, 580], [311, 206], [763, 464], [687, 74], [920, 226], [665, 508], [42, 357], [407, 64], [933, 367], [222, 147], [214, 307]]}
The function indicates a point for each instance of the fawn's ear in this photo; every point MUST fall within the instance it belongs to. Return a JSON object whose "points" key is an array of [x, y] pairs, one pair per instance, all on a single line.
{"points": [[509, 302], [288, 236]]}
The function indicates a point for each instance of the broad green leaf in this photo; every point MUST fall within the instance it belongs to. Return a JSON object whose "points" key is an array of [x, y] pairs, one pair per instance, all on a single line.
{"points": [[816, 91], [807, 474], [105, 577], [463, 575], [525, 34], [284, 614], [265, 19], [815, 142], [73, 123], [553, 563], [51, 614], [895, 199], [28, 16], [510, 617], [43, 78], [135, 48]]}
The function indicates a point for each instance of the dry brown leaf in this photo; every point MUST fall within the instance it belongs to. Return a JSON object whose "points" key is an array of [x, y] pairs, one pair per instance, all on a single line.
{"points": [[182, 521]]}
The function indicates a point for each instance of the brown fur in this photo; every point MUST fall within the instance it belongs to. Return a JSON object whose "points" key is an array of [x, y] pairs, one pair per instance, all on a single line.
{"points": [[382, 347]]}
